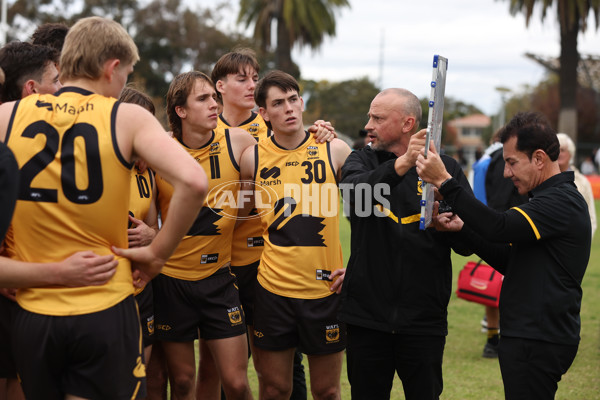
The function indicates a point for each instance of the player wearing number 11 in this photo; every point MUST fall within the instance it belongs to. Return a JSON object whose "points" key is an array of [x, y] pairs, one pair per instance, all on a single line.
{"points": [[294, 304], [75, 150]]}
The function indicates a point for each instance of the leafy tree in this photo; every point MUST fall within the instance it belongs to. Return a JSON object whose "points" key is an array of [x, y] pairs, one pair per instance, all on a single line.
{"points": [[573, 18], [345, 104], [302, 22], [545, 98]]}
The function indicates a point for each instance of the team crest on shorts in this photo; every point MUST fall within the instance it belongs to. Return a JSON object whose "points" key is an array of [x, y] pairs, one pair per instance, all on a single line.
{"points": [[332, 333], [419, 187], [235, 316], [150, 324]]}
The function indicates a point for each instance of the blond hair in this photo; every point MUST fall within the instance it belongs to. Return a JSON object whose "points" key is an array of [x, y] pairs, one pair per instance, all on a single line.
{"points": [[90, 43]]}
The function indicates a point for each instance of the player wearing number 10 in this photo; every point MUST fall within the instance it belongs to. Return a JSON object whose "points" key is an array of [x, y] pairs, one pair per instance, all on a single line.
{"points": [[75, 150]]}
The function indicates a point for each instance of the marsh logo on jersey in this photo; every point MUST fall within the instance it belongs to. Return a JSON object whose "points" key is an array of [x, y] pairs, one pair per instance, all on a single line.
{"points": [[253, 128], [215, 148], [323, 275], [209, 258], [332, 333], [420, 187], [235, 316], [256, 241], [312, 152], [150, 325]]}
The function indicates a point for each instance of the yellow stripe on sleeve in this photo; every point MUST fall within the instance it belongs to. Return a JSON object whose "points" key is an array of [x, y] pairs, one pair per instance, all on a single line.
{"points": [[535, 230]]}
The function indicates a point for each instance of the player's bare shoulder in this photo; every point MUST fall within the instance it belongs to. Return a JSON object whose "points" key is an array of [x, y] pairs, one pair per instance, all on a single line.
{"points": [[6, 110], [240, 141]]}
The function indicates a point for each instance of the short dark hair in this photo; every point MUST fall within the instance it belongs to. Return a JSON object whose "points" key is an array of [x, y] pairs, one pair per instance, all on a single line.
{"points": [[233, 62], [129, 94], [50, 34], [20, 62], [279, 79], [533, 132]]}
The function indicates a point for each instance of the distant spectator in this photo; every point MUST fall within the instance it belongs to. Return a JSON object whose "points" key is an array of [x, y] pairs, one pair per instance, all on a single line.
{"points": [[566, 159], [587, 166]]}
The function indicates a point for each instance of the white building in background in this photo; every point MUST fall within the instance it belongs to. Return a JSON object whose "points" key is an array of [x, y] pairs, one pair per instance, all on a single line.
{"points": [[469, 132]]}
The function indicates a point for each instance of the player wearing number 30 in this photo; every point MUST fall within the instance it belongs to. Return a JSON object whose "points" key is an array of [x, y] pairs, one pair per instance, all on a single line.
{"points": [[75, 150], [295, 306]]}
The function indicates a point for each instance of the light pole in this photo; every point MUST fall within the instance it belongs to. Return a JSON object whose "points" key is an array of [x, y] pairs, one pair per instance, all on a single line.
{"points": [[502, 115]]}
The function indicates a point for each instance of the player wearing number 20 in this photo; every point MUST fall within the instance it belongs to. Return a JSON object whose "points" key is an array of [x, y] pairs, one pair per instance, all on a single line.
{"points": [[75, 150]]}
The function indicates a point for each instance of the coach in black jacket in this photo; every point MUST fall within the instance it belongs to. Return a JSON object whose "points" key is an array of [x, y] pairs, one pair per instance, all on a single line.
{"points": [[398, 280], [542, 247]]}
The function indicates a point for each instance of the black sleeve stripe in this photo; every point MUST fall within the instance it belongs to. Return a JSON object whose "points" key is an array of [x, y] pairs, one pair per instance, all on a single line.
{"points": [[113, 132], [230, 150]]}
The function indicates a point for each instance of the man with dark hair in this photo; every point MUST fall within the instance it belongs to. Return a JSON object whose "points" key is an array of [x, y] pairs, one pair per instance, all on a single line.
{"points": [[29, 69], [51, 35], [542, 247], [295, 304]]}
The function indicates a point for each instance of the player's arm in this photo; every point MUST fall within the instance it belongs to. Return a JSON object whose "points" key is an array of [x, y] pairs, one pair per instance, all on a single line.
{"points": [[247, 181], [83, 268], [5, 113], [146, 139], [339, 153], [240, 141]]}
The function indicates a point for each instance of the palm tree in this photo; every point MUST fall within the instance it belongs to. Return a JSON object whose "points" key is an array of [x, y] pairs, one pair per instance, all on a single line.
{"points": [[301, 22], [572, 16]]}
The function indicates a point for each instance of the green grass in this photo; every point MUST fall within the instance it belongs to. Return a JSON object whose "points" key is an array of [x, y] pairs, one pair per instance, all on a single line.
{"points": [[469, 376]]}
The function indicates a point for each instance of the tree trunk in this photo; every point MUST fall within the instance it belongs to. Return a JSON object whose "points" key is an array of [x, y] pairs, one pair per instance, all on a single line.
{"points": [[569, 59], [283, 53]]}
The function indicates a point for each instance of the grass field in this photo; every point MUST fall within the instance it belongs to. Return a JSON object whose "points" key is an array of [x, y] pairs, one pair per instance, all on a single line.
{"points": [[469, 376]]}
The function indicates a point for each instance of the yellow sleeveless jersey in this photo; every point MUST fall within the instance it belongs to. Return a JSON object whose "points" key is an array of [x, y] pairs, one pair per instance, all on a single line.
{"points": [[207, 245], [140, 195], [74, 194], [302, 247], [140, 198], [247, 244]]}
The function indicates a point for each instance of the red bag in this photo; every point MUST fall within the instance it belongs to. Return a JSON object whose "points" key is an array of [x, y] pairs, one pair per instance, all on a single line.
{"points": [[479, 283]]}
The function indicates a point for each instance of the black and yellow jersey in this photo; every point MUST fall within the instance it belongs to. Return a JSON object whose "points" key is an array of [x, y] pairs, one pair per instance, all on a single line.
{"points": [[247, 237], [207, 245], [140, 198], [74, 194], [300, 229]]}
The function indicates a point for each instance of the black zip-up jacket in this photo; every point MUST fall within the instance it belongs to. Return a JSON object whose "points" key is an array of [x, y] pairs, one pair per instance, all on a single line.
{"points": [[398, 278]]}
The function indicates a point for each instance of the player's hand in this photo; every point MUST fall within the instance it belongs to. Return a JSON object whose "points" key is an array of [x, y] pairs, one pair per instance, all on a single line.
{"points": [[145, 264], [323, 131], [336, 286], [141, 235], [86, 268], [10, 294]]}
